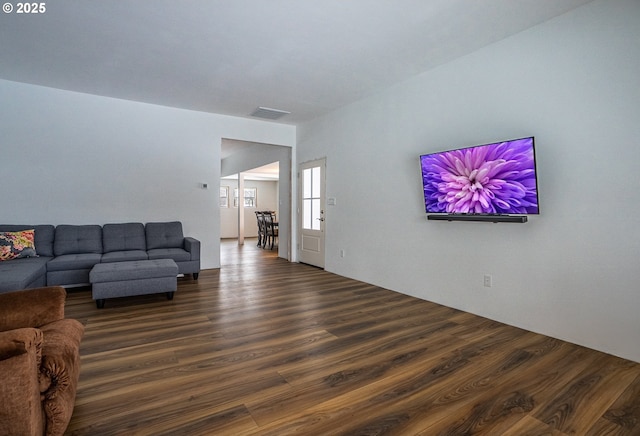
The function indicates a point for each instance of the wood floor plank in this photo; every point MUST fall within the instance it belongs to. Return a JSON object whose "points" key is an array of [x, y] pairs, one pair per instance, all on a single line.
{"points": [[623, 417], [586, 398], [529, 426], [411, 388], [428, 399], [266, 347], [506, 392], [341, 381]]}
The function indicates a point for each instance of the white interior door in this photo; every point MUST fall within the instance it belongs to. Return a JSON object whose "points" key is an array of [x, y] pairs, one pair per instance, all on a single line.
{"points": [[311, 209]]}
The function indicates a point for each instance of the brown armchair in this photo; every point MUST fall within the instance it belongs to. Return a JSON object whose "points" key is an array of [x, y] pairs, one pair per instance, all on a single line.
{"points": [[39, 362]]}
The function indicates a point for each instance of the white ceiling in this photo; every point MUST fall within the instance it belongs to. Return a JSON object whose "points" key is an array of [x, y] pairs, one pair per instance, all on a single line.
{"points": [[270, 172], [230, 56]]}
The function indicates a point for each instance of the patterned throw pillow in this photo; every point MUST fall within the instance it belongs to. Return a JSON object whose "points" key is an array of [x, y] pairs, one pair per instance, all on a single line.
{"points": [[14, 245]]}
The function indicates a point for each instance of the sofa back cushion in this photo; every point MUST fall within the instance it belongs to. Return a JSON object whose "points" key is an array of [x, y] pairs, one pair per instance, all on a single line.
{"points": [[44, 234], [31, 307], [71, 239], [164, 235], [123, 237]]}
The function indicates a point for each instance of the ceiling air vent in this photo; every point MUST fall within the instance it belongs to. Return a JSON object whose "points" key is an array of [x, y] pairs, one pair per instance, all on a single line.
{"points": [[268, 113]]}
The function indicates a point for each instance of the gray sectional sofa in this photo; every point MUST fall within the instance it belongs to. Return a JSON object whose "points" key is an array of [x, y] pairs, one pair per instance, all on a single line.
{"points": [[66, 253]]}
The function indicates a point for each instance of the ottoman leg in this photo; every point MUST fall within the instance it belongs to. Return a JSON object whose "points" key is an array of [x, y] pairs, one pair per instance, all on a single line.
{"points": [[100, 303], [195, 276], [169, 295]]}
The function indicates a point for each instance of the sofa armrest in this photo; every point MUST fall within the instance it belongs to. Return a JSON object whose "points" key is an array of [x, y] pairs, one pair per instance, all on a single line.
{"points": [[59, 372], [31, 307], [192, 245], [20, 356]]}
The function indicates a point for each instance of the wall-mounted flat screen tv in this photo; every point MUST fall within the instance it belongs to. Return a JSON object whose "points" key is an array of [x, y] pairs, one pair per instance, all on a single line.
{"points": [[490, 179]]}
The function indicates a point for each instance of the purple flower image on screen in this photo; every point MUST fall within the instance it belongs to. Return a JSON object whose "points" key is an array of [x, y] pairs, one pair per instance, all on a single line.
{"points": [[495, 178]]}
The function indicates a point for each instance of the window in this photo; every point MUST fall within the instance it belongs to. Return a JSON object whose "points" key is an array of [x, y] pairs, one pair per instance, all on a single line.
{"points": [[311, 213], [249, 197], [224, 196]]}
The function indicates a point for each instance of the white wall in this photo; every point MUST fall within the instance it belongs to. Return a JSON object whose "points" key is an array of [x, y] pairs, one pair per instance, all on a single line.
{"points": [[573, 272], [266, 199], [75, 158]]}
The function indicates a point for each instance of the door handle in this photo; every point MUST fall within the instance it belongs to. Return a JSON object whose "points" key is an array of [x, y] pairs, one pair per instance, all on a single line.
{"points": [[320, 219]]}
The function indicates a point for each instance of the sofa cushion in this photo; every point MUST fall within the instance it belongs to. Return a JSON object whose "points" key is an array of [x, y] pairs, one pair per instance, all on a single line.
{"points": [[68, 277], [164, 235], [71, 239], [44, 234], [124, 256], [122, 237], [19, 273], [67, 262], [177, 254], [14, 245]]}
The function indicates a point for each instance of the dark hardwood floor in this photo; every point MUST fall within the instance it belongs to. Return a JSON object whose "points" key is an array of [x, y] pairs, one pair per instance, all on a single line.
{"points": [[268, 347]]}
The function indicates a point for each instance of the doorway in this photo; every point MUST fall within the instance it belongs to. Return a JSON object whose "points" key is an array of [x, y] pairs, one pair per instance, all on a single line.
{"points": [[250, 158]]}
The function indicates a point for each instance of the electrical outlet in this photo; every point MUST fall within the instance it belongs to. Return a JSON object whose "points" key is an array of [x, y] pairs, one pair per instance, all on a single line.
{"points": [[342, 253], [487, 281]]}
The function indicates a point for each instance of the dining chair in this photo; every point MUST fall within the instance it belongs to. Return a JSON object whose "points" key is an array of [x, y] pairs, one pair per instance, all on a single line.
{"points": [[262, 234], [271, 229]]}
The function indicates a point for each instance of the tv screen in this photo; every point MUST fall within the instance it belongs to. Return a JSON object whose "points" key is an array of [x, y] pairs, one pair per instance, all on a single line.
{"points": [[489, 179]]}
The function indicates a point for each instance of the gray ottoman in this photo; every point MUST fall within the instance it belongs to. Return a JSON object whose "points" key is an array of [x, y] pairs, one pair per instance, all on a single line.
{"points": [[138, 277]]}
